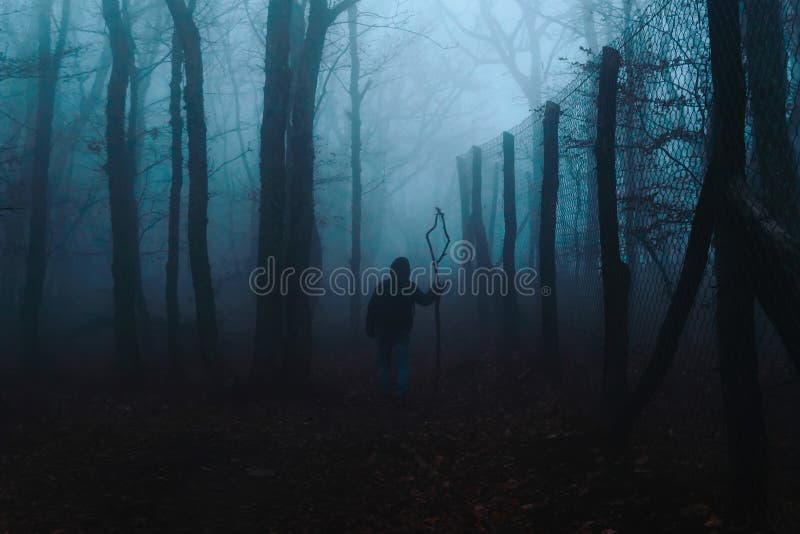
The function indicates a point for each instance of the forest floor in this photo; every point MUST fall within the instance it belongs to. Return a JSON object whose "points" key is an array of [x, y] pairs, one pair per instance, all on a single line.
{"points": [[494, 453]]}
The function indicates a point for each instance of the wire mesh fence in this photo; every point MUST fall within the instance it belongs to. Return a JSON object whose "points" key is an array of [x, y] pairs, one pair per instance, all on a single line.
{"points": [[662, 151]]}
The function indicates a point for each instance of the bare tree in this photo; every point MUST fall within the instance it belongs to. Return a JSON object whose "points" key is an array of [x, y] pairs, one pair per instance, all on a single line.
{"points": [[270, 326], [205, 306], [356, 98], [766, 73], [176, 184], [301, 188], [124, 220], [49, 65]]}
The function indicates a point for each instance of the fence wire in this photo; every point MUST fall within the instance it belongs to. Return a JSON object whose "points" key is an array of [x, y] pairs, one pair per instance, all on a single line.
{"points": [[662, 146]]}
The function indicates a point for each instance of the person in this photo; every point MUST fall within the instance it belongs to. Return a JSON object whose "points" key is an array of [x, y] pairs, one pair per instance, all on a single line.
{"points": [[390, 316]]}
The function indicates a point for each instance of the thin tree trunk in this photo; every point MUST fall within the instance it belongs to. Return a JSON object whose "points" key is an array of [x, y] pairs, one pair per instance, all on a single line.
{"points": [[252, 257], [683, 299], [301, 191], [589, 26], [616, 275], [173, 235], [124, 222], [356, 97], [205, 307], [735, 307], [270, 318], [36, 266], [766, 74], [139, 84]]}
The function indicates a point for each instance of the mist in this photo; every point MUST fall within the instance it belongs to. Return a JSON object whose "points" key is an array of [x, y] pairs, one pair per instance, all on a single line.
{"points": [[200, 201]]}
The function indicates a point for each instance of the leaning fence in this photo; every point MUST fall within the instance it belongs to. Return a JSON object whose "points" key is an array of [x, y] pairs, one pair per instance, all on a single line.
{"points": [[663, 116]]}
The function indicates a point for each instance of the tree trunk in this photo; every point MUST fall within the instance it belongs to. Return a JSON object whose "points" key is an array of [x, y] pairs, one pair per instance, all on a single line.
{"points": [[124, 221], [205, 307], [631, 111], [773, 256], [735, 307], [139, 84], [252, 257], [509, 244], [301, 186], [355, 164], [589, 26], [301, 191], [270, 325], [173, 232], [547, 241], [36, 265], [683, 298], [478, 231], [766, 74], [616, 276], [11, 266]]}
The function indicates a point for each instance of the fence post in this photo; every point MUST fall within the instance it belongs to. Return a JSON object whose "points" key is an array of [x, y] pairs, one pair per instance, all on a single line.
{"points": [[463, 189], [478, 230], [616, 275], [509, 243], [493, 208], [547, 240]]}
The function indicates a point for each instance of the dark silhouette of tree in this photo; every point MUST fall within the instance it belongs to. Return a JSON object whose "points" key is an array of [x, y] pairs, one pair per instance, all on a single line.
{"points": [[124, 220], [270, 316], [205, 307], [766, 75], [356, 99], [300, 147], [735, 303], [176, 184], [36, 265]]}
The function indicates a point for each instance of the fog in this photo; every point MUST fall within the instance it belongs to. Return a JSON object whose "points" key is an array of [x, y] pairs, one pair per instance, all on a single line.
{"points": [[438, 77], [399, 265]]}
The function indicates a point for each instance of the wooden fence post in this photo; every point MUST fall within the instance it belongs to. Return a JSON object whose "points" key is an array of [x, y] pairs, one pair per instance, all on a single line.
{"points": [[616, 275], [478, 230], [547, 241], [493, 208], [509, 243], [463, 188]]}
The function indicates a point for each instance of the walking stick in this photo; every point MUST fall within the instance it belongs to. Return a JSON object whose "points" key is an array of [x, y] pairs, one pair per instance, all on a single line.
{"points": [[436, 260]]}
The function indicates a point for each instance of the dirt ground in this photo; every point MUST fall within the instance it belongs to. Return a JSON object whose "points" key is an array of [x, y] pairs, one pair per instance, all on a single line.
{"points": [[493, 453]]}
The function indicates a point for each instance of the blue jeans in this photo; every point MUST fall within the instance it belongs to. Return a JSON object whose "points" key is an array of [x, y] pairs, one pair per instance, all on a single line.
{"points": [[393, 347]]}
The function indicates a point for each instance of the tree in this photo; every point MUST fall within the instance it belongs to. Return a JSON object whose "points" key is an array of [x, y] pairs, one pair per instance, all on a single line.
{"points": [[766, 75], [270, 327], [356, 98], [735, 304], [124, 220], [176, 184], [205, 307], [36, 265], [300, 154]]}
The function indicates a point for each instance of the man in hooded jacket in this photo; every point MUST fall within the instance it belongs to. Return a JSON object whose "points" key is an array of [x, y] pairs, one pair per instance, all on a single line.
{"points": [[390, 316]]}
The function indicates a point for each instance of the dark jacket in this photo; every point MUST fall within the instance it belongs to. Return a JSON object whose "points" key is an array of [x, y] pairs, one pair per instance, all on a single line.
{"points": [[390, 313]]}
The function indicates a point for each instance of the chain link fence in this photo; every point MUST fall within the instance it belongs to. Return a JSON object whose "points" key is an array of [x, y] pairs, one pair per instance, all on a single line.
{"points": [[662, 153]]}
